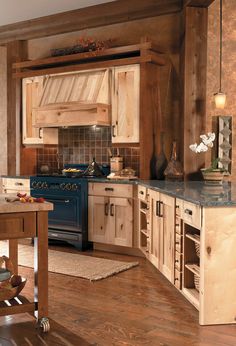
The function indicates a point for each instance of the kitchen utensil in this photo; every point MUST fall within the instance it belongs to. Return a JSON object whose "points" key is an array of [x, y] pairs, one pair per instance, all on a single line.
{"points": [[109, 152]]}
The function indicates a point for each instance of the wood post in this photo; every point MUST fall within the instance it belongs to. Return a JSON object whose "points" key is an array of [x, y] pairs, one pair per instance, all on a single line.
{"points": [[194, 55]]}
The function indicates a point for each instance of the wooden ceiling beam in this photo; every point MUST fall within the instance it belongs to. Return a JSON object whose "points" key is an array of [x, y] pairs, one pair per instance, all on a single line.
{"points": [[197, 3], [90, 17]]}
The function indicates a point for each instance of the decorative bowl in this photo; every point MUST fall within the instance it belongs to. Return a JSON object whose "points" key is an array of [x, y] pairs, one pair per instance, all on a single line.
{"points": [[8, 292]]}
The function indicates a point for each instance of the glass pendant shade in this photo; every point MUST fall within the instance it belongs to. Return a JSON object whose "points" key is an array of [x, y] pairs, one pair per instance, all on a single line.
{"points": [[220, 99]]}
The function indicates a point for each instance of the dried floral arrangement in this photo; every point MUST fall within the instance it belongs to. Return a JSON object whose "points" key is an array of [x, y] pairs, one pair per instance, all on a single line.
{"points": [[83, 45]]}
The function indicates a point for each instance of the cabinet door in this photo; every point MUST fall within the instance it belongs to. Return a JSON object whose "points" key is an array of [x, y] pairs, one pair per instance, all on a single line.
{"points": [[125, 104], [31, 94], [99, 222], [121, 215], [167, 220], [155, 229]]}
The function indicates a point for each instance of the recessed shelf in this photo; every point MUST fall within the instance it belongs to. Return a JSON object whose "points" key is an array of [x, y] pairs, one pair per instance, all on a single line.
{"points": [[146, 232], [194, 268], [192, 295], [193, 237]]}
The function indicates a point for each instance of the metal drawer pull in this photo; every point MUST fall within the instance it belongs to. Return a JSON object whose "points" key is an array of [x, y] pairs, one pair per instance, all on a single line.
{"points": [[112, 209], [109, 189], [188, 211], [141, 192], [19, 184], [58, 200], [113, 130], [106, 208]]}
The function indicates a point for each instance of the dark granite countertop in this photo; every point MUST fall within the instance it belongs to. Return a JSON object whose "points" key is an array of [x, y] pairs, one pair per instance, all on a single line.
{"points": [[198, 192]]}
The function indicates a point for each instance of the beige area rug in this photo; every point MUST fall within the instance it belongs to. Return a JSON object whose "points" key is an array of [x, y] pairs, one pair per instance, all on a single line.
{"points": [[87, 267]]}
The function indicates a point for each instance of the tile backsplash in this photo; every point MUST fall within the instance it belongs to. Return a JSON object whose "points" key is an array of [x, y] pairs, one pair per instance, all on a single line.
{"points": [[80, 145]]}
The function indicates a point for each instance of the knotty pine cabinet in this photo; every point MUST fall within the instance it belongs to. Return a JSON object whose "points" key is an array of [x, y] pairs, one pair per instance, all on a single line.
{"points": [[14, 185], [125, 104], [159, 231], [31, 135], [110, 215], [194, 247]]}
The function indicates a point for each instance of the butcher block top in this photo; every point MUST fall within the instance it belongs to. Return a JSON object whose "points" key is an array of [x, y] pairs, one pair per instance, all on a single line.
{"points": [[19, 207]]}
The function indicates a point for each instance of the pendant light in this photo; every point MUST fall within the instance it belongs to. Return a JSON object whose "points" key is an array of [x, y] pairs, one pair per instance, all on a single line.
{"points": [[220, 97]]}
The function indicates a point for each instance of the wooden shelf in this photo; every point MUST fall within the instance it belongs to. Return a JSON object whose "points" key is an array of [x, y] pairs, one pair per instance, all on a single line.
{"points": [[194, 268], [192, 295], [144, 211], [17, 305], [193, 237], [116, 56], [146, 232]]}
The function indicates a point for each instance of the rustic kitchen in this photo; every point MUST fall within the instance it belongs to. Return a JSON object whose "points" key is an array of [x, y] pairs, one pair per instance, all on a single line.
{"points": [[118, 200]]}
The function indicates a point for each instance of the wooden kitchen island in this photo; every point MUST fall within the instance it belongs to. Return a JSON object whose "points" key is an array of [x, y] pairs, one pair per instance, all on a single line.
{"points": [[27, 220]]}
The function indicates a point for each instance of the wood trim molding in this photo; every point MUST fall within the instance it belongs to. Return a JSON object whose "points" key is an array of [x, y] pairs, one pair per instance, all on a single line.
{"points": [[90, 17], [198, 3]]}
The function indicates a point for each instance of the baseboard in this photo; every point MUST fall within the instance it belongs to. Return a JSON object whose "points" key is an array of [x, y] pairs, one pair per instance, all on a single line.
{"points": [[118, 249]]}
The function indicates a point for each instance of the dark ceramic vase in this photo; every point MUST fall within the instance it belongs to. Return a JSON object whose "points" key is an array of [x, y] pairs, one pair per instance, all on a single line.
{"points": [[174, 169], [161, 162]]}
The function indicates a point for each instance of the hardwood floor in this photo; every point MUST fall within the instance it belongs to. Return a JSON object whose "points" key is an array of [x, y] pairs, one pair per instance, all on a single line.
{"points": [[135, 307]]}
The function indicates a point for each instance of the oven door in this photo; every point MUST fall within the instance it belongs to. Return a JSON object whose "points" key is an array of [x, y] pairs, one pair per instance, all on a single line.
{"points": [[66, 214]]}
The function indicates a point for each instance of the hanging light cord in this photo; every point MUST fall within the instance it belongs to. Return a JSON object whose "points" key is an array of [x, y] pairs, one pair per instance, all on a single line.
{"points": [[220, 42]]}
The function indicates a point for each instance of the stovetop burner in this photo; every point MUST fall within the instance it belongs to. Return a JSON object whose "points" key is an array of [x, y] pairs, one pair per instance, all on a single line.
{"points": [[82, 167]]}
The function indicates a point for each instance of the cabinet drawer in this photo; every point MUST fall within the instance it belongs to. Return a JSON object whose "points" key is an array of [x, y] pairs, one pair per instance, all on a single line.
{"points": [[16, 183], [143, 193], [191, 214], [17, 225], [178, 279], [178, 260], [110, 190], [178, 242]]}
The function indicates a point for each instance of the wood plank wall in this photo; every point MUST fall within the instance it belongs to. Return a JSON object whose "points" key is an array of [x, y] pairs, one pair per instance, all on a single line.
{"points": [[3, 110]]}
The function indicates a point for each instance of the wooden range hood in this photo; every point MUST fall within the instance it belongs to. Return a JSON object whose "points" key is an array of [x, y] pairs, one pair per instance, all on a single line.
{"points": [[73, 99]]}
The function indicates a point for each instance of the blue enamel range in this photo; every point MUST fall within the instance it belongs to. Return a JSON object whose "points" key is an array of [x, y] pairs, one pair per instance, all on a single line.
{"points": [[69, 219]]}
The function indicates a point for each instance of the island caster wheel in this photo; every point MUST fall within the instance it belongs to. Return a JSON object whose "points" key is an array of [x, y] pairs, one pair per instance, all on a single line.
{"points": [[44, 324]]}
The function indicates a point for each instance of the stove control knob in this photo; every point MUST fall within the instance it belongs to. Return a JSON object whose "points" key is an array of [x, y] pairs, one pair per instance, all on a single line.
{"points": [[63, 186], [68, 186], [34, 184], [74, 187], [39, 185], [44, 185]]}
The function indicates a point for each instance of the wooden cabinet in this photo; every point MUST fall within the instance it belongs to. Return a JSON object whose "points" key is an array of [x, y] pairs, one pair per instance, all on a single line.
{"points": [[110, 215], [31, 135], [157, 216], [14, 185], [125, 104], [162, 208]]}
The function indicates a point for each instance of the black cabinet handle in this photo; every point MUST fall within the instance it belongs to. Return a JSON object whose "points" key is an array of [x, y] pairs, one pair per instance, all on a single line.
{"points": [[109, 189], [157, 208], [141, 192], [161, 204], [112, 209], [188, 211], [106, 210]]}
